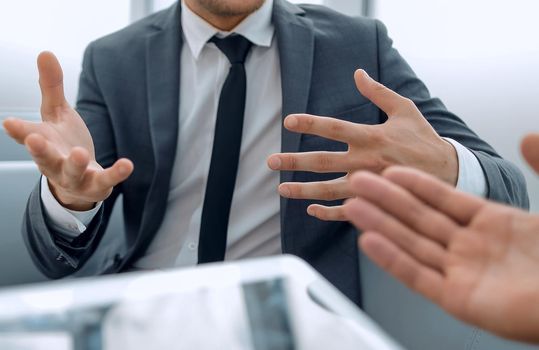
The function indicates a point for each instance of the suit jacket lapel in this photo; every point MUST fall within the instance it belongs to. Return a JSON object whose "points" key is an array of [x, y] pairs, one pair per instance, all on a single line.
{"points": [[295, 38], [163, 85]]}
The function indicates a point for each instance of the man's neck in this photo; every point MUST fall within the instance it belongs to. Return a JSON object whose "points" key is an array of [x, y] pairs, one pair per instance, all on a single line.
{"points": [[224, 23]]}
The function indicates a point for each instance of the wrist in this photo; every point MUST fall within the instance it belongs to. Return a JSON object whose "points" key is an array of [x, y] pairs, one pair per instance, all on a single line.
{"points": [[450, 164], [69, 201]]}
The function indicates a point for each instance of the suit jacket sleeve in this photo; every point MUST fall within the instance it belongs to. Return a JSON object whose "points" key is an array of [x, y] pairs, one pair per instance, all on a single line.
{"points": [[52, 253], [505, 182]]}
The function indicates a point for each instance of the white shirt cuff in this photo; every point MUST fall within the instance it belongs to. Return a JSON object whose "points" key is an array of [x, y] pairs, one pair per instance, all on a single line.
{"points": [[471, 176], [70, 223]]}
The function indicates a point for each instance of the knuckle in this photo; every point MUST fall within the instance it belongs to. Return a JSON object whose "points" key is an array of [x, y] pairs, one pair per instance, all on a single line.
{"points": [[335, 127], [291, 162], [410, 242], [379, 87], [376, 164], [408, 103], [329, 192], [324, 162], [295, 191], [307, 122]]}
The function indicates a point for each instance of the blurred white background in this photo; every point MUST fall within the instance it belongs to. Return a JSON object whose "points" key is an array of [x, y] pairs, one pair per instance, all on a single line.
{"points": [[480, 57], [65, 27]]}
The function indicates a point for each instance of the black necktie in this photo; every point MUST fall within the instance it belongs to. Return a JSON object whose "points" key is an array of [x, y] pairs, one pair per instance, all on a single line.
{"points": [[226, 152]]}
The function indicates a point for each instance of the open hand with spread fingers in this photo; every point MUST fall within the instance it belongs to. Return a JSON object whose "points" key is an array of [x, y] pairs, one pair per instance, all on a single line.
{"points": [[477, 259], [62, 146], [405, 139]]}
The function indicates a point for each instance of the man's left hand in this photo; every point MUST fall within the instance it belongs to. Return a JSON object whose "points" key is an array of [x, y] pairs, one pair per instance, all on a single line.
{"points": [[405, 139]]}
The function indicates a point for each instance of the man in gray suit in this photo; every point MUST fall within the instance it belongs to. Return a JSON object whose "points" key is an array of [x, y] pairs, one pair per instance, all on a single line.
{"points": [[157, 119]]}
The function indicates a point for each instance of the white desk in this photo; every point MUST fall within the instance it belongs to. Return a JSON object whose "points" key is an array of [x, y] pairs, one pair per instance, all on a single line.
{"points": [[274, 303]]}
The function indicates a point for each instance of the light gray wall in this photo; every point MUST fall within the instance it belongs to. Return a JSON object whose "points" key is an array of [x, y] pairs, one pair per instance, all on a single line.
{"points": [[350, 7], [482, 58], [140, 9]]}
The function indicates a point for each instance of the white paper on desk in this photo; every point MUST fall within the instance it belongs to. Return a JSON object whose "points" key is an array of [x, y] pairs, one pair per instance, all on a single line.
{"points": [[36, 341], [203, 319]]}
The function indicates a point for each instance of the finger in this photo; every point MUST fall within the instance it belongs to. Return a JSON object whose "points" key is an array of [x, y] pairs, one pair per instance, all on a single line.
{"points": [[114, 175], [318, 162], [459, 206], [368, 217], [402, 266], [324, 190], [386, 99], [75, 165], [51, 82], [330, 128], [530, 150], [19, 129], [46, 156], [325, 213], [403, 206]]}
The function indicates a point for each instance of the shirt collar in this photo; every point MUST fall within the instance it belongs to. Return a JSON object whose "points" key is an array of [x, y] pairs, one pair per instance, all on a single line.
{"points": [[257, 28]]}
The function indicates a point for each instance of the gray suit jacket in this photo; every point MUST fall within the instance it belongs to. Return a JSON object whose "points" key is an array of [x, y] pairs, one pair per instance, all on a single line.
{"points": [[129, 98]]}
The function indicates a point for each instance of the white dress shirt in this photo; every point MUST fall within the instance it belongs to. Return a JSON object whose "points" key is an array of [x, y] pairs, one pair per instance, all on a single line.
{"points": [[254, 225]]}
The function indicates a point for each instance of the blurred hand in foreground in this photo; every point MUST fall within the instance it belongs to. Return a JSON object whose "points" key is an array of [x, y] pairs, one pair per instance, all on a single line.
{"points": [[478, 260]]}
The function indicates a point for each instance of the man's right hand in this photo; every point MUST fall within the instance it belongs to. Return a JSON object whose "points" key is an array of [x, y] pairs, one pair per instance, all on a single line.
{"points": [[62, 147]]}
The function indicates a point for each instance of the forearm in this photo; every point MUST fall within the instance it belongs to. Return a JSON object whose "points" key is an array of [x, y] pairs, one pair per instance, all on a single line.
{"points": [[55, 255]]}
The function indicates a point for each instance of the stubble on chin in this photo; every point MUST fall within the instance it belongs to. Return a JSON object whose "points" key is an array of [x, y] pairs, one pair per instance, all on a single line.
{"points": [[231, 8]]}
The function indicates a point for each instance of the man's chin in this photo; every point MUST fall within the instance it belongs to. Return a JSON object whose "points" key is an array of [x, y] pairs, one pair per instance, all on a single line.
{"points": [[231, 8]]}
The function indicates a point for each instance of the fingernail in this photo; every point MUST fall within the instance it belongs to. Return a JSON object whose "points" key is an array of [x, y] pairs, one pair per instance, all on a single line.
{"points": [[311, 211], [291, 122], [275, 163], [284, 191]]}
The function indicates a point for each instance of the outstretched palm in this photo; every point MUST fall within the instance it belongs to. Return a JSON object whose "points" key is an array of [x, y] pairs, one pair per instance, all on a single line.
{"points": [[489, 272], [62, 146], [476, 259]]}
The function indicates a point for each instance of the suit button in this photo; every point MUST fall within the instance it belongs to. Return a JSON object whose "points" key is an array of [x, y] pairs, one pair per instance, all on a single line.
{"points": [[117, 260]]}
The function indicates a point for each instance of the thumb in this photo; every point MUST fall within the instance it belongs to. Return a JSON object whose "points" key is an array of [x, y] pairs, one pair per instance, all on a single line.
{"points": [[530, 150], [386, 99], [51, 82]]}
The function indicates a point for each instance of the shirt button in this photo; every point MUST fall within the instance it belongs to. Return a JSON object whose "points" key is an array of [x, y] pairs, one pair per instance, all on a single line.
{"points": [[192, 246]]}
